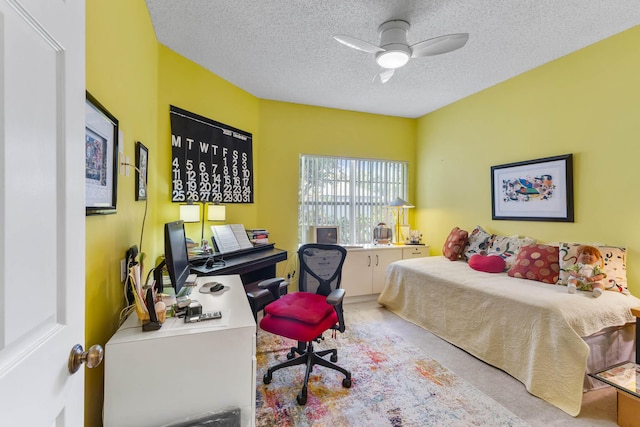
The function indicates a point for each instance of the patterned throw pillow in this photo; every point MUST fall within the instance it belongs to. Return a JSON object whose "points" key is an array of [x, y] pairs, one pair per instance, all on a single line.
{"points": [[454, 245], [613, 263], [478, 242], [487, 263], [508, 247], [537, 262]]}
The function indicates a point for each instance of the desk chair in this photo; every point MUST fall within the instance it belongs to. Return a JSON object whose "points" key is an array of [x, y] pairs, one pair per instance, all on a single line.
{"points": [[303, 316], [259, 295]]}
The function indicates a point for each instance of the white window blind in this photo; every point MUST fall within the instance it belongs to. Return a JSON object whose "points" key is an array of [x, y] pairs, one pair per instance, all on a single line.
{"points": [[351, 193]]}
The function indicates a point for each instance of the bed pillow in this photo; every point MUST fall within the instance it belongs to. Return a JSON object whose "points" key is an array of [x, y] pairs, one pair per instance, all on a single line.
{"points": [[477, 243], [614, 263], [487, 263], [454, 245], [537, 262], [508, 247]]}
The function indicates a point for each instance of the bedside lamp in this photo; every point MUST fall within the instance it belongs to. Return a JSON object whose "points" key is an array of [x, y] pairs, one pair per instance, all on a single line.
{"points": [[397, 209]]}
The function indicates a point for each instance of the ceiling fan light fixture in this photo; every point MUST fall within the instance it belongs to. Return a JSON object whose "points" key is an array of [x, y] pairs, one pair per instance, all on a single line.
{"points": [[392, 59]]}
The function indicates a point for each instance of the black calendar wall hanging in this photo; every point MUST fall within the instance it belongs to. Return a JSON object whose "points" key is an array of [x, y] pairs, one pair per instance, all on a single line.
{"points": [[210, 161]]}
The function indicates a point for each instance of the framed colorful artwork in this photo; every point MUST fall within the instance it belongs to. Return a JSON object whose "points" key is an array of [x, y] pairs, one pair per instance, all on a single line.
{"points": [[534, 190], [101, 158]]}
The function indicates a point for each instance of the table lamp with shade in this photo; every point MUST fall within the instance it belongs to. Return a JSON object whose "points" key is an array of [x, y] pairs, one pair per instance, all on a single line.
{"points": [[190, 212], [215, 212], [398, 206]]}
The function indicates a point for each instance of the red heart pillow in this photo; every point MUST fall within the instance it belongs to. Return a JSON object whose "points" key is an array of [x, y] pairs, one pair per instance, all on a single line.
{"points": [[487, 263]]}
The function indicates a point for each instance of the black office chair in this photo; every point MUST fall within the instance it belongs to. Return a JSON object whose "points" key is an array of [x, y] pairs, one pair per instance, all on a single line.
{"points": [[303, 316], [259, 295]]}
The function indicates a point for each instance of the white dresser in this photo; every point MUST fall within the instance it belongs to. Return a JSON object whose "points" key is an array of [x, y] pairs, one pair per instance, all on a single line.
{"points": [[184, 369], [365, 267]]}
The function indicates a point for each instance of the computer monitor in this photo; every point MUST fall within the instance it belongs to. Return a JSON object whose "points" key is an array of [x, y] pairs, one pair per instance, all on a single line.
{"points": [[175, 256]]}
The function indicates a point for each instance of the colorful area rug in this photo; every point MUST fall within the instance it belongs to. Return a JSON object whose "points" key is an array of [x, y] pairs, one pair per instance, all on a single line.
{"points": [[393, 384]]}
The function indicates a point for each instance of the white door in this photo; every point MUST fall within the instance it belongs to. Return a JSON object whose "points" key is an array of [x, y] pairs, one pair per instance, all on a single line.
{"points": [[42, 93]]}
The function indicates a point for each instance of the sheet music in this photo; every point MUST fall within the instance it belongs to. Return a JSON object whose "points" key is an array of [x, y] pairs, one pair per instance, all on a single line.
{"points": [[231, 237], [241, 236]]}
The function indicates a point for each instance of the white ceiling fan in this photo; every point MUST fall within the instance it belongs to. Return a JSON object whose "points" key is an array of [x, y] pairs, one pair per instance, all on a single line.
{"points": [[394, 51]]}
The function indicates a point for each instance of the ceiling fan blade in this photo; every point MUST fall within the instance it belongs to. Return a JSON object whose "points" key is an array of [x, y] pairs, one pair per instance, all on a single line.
{"points": [[384, 75], [438, 45], [358, 44]]}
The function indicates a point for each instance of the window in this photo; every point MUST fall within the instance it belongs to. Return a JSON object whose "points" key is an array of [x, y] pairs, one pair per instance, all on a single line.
{"points": [[350, 193]]}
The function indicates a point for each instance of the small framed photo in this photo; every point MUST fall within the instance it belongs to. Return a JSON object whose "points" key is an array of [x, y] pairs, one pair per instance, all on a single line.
{"points": [[534, 190], [101, 158], [142, 162]]}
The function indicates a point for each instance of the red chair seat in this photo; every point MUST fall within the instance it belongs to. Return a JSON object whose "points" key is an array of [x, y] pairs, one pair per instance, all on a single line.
{"points": [[300, 316]]}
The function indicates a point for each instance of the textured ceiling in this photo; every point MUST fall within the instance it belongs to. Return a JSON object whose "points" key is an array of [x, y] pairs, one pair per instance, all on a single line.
{"points": [[284, 50]]}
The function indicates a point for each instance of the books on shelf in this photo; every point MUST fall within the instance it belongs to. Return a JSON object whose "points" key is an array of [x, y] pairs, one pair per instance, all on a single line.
{"points": [[258, 235], [230, 238]]}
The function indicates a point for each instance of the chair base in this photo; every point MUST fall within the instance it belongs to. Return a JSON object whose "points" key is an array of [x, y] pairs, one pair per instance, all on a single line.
{"points": [[310, 358]]}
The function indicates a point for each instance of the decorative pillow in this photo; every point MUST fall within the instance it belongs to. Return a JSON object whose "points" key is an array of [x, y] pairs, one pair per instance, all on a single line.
{"points": [[454, 245], [614, 263], [478, 242], [487, 263], [537, 262], [508, 247]]}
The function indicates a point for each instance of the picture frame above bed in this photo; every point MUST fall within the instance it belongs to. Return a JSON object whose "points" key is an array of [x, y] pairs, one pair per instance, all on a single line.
{"points": [[533, 190]]}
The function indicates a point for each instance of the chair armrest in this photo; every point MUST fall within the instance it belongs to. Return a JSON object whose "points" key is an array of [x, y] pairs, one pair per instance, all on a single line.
{"points": [[335, 297], [273, 286]]}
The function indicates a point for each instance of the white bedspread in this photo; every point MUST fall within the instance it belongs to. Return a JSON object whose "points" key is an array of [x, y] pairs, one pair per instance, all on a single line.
{"points": [[529, 329]]}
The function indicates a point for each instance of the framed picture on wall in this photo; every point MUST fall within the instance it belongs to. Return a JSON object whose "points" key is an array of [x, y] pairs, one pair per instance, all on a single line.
{"points": [[534, 190], [101, 158], [142, 161]]}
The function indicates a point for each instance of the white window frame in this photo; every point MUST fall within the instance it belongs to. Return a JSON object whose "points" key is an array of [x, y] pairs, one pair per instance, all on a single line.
{"points": [[354, 195]]}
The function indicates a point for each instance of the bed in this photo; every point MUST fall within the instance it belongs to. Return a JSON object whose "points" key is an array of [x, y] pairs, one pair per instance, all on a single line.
{"points": [[536, 332]]}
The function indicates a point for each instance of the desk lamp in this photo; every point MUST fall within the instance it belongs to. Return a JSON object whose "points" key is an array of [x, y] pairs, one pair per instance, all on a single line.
{"points": [[190, 212], [397, 209], [215, 212]]}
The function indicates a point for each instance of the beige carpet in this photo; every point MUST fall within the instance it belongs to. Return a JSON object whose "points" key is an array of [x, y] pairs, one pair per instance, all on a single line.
{"points": [[598, 406]]}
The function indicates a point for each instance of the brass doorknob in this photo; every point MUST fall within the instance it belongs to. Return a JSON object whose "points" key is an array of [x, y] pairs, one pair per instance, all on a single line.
{"points": [[92, 358]]}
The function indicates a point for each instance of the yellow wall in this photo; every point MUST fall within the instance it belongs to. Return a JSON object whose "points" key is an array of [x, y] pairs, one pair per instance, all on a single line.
{"points": [[585, 103], [137, 79], [121, 60], [288, 130], [186, 85]]}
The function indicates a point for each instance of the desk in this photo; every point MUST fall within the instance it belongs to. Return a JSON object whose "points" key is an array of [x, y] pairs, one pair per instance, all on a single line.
{"points": [[184, 369], [253, 265]]}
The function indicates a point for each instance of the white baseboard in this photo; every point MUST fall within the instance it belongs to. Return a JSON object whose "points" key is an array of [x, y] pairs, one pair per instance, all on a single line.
{"points": [[360, 298]]}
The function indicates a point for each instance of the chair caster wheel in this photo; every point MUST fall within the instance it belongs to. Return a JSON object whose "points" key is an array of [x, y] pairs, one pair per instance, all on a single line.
{"points": [[290, 355], [267, 378], [334, 358], [346, 383], [302, 399]]}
